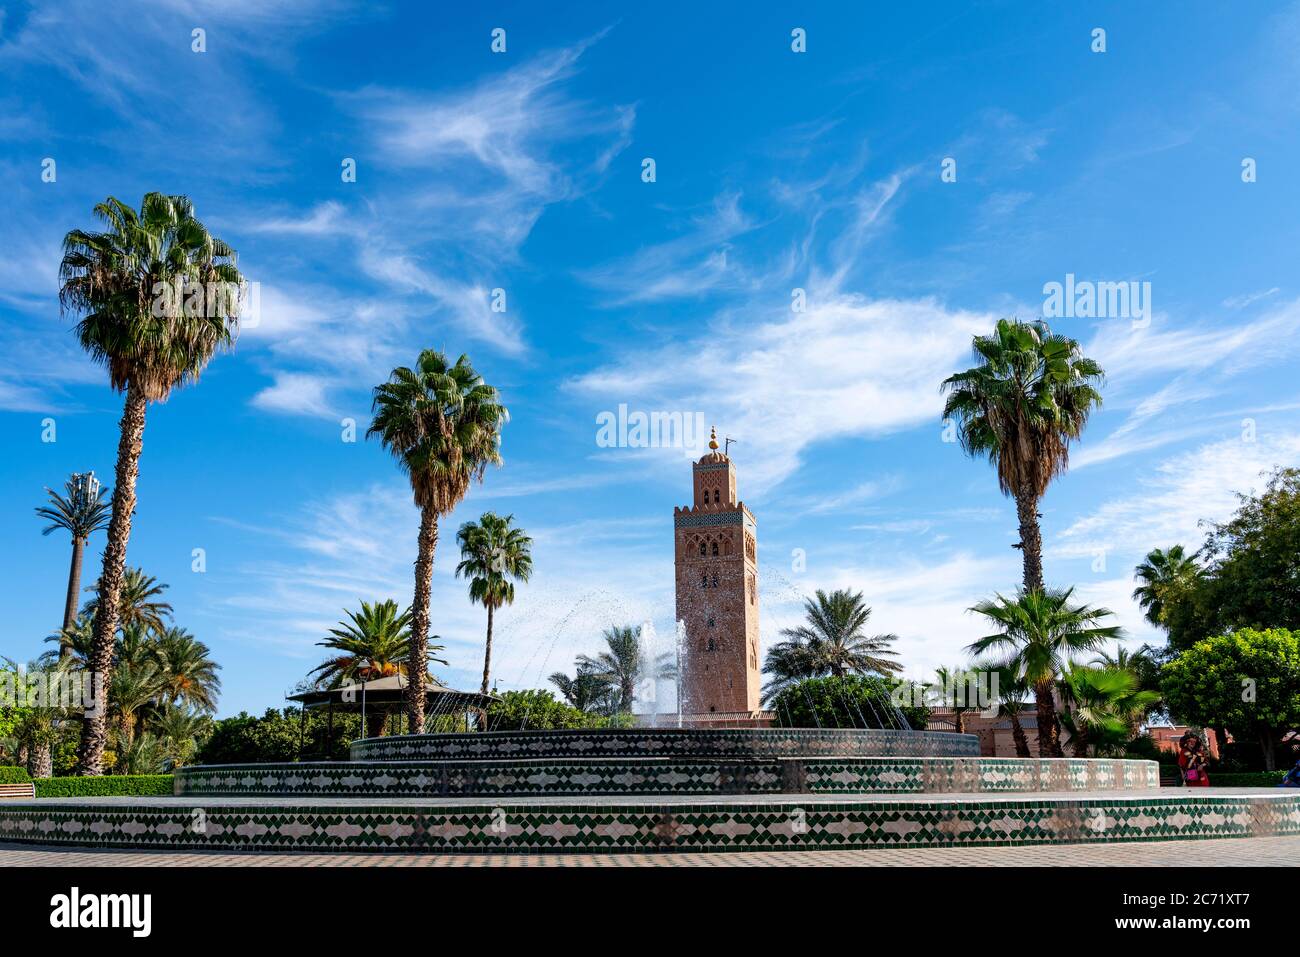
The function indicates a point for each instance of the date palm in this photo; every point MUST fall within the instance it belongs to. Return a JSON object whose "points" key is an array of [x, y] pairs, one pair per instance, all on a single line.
{"points": [[179, 730], [112, 279], [787, 663], [836, 638], [1163, 574], [493, 556], [1040, 634], [1028, 398], [186, 670], [586, 691], [138, 603], [442, 423], [622, 665], [80, 512], [135, 687]]}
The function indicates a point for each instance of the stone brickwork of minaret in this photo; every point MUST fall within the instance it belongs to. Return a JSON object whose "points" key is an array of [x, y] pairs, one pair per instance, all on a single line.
{"points": [[716, 553]]}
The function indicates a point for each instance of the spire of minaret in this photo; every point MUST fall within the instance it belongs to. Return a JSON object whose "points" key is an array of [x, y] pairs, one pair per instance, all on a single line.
{"points": [[713, 438]]}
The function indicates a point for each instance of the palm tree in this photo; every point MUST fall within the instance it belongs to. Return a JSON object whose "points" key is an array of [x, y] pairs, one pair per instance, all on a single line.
{"points": [[35, 729], [443, 425], [1040, 633], [1102, 705], [137, 602], [79, 639], [113, 280], [179, 731], [1021, 407], [788, 663], [835, 637], [1162, 574], [187, 671], [135, 687], [492, 553], [622, 666], [1012, 691], [586, 690], [956, 682], [81, 512]]}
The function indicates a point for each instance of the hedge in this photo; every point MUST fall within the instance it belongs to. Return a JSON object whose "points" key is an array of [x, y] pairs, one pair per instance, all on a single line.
{"points": [[110, 785], [13, 775], [1248, 779]]}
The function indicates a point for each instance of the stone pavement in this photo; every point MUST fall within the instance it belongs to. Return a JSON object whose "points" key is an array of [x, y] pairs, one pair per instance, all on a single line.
{"points": [[1228, 852]]}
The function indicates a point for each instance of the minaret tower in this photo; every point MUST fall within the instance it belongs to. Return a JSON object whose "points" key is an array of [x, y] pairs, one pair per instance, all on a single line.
{"points": [[716, 552]]}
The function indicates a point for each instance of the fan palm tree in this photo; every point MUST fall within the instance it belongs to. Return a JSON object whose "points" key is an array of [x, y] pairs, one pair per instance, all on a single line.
{"points": [[187, 671], [1040, 634], [622, 666], [835, 637], [492, 553], [442, 423], [81, 512], [113, 280], [1102, 706], [1021, 407], [1162, 574]]}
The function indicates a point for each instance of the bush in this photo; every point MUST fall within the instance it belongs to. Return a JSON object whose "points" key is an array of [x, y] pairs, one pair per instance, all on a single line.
{"points": [[849, 701], [536, 711], [277, 737], [12, 775], [110, 785], [1250, 779]]}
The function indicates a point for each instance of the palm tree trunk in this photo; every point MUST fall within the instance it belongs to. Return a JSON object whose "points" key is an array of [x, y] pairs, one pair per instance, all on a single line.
{"points": [[1079, 744], [418, 659], [40, 761], [1031, 538], [1049, 738], [487, 652], [70, 604], [95, 730], [1018, 734]]}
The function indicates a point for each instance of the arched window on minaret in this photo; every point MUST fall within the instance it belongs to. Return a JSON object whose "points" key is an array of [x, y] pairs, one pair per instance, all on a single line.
{"points": [[717, 496], [704, 549], [715, 548]]}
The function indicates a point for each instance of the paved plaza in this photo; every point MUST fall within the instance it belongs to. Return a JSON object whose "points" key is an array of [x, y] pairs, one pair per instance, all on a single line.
{"points": [[1231, 852]]}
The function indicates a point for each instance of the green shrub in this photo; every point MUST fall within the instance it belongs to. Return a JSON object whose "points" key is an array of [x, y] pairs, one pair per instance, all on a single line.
{"points": [[849, 701], [277, 736], [110, 785], [1249, 779], [536, 711], [12, 775]]}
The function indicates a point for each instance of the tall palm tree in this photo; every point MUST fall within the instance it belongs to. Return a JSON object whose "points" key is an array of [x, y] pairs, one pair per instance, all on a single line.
{"points": [[622, 665], [138, 602], [81, 512], [112, 279], [186, 670], [492, 553], [442, 423], [836, 639], [1163, 573], [1040, 634], [1021, 407]]}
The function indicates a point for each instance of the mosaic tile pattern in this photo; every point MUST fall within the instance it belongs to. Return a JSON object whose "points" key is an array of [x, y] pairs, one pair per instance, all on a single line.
{"points": [[668, 742], [606, 776], [645, 826]]}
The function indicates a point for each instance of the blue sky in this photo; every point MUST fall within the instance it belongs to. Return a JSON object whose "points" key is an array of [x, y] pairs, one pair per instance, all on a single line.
{"points": [[775, 170]]}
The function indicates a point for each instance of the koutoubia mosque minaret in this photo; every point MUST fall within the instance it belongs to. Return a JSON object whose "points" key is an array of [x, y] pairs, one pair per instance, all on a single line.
{"points": [[716, 552]]}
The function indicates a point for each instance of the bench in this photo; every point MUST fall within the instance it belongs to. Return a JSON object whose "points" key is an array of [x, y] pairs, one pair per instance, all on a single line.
{"points": [[27, 790]]}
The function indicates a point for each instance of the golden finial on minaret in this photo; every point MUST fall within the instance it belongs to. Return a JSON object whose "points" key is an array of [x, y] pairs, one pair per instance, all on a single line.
{"points": [[713, 438]]}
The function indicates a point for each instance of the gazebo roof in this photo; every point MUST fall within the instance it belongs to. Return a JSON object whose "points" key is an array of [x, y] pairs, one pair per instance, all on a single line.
{"points": [[387, 690]]}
